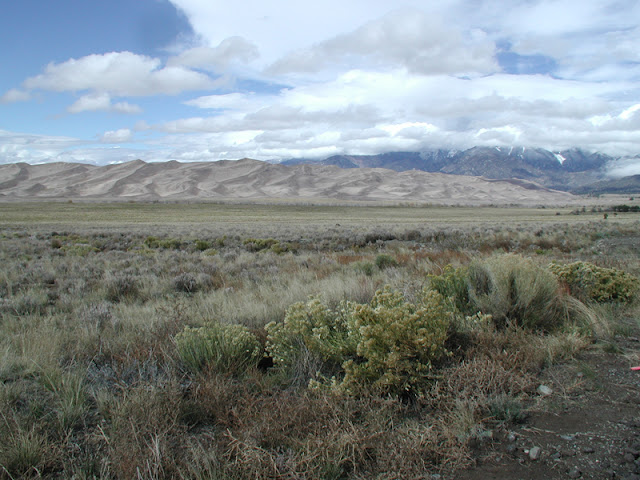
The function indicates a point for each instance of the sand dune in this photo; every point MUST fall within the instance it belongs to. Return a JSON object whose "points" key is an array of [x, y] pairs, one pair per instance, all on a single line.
{"points": [[254, 180]]}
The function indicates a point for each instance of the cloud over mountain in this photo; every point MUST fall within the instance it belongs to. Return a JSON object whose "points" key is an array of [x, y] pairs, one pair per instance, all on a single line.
{"points": [[287, 79]]}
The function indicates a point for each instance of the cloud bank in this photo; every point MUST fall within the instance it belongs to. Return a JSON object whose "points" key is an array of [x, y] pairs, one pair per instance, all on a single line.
{"points": [[273, 81]]}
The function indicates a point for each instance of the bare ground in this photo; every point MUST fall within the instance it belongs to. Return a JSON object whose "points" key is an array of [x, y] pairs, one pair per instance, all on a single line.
{"points": [[588, 427]]}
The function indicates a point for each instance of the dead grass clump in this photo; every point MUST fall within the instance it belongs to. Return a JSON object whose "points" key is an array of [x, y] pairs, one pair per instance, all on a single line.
{"points": [[120, 288], [516, 291], [144, 432]]}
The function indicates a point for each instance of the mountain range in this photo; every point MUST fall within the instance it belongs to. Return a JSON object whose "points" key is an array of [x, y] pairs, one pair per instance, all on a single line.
{"points": [[566, 170], [252, 180]]}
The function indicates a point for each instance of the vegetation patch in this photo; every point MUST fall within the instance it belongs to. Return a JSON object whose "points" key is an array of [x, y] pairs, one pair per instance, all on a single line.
{"points": [[225, 348], [418, 335], [588, 281]]}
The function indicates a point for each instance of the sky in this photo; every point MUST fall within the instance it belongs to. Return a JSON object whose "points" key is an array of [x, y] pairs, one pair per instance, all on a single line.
{"points": [[204, 80]]}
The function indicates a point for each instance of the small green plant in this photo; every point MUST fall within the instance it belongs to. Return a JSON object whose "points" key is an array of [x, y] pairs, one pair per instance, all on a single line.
{"points": [[453, 285], [226, 348], [23, 454], [164, 243], [280, 248], [202, 245], [384, 261], [366, 268], [590, 282], [70, 396], [151, 242], [505, 408]]}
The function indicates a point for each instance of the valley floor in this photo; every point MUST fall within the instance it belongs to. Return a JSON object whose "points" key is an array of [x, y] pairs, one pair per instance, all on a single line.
{"points": [[103, 375]]}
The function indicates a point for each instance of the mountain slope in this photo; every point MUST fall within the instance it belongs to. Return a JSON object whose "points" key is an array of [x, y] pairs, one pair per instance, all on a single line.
{"points": [[625, 185], [252, 179], [562, 171]]}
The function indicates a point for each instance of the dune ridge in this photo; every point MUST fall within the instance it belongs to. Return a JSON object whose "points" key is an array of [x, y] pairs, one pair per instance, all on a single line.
{"points": [[248, 179]]}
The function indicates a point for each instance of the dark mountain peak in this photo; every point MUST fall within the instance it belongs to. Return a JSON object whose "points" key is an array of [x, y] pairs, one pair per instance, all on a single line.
{"points": [[624, 185], [577, 160], [560, 170]]}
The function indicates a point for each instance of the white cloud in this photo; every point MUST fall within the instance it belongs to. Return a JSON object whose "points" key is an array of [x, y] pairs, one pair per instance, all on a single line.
{"points": [[24, 147], [118, 73], [278, 28], [15, 95], [625, 167], [102, 102], [229, 101], [364, 111], [423, 44], [229, 50], [367, 76], [122, 135], [630, 112]]}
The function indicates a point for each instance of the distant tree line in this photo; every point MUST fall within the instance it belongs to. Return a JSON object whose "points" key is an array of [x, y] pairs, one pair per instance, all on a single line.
{"points": [[625, 208]]}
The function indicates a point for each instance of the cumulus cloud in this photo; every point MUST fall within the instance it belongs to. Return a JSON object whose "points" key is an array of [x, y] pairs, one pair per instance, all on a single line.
{"points": [[102, 102], [122, 135], [229, 101], [23, 147], [366, 111], [229, 50], [118, 73], [422, 43], [359, 77], [15, 95]]}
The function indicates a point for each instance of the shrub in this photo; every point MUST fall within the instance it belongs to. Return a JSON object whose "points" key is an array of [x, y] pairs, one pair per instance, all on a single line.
{"points": [[165, 243], [366, 268], [226, 348], [384, 261], [280, 248], [121, 287], [258, 244], [398, 342], [97, 316], [185, 283], [202, 245], [312, 340], [24, 453], [151, 242], [516, 291], [590, 282], [453, 284]]}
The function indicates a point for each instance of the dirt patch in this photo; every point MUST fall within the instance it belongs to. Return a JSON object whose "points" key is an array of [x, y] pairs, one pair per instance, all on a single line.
{"points": [[588, 427]]}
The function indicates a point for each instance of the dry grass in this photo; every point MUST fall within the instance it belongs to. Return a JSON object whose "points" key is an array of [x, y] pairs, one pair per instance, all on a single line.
{"points": [[92, 385]]}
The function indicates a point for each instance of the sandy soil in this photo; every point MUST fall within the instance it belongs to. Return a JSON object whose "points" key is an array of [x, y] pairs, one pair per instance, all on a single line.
{"points": [[588, 428], [251, 179]]}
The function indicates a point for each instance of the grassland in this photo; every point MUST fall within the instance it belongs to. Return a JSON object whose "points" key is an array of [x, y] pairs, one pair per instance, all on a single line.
{"points": [[225, 214], [94, 298]]}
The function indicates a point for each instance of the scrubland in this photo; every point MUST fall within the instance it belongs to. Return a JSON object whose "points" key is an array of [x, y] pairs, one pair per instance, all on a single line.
{"points": [[212, 341]]}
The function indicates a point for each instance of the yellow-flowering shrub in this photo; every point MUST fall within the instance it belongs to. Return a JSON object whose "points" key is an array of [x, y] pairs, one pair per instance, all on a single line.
{"points": [[398, 342], [590, 282], [223, 347], [389, 345], [312, 340]]}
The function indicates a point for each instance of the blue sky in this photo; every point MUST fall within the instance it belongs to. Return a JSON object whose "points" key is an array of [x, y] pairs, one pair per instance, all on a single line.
{"points": [[204, 80]]}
